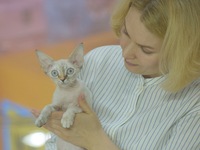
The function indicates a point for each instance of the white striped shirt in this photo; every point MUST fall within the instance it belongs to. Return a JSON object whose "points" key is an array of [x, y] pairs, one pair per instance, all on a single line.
{"points": [[137, 113]]}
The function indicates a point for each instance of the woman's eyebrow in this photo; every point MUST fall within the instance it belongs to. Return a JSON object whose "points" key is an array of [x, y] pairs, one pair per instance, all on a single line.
{"points": [[141, 45]]}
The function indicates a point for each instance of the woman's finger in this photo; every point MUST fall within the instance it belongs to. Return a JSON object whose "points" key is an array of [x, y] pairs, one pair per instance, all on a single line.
{"points": [[54, 126], [83, 104], [35, 113], [56, 115], [53, 123]]}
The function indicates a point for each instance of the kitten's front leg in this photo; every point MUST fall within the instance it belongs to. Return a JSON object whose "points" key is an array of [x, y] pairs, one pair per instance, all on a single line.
{"points": [[68, 116], [45, 113]]}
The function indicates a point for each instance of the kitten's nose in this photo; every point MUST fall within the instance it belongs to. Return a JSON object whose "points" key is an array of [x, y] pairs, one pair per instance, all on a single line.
{"points": [[62, 78]]}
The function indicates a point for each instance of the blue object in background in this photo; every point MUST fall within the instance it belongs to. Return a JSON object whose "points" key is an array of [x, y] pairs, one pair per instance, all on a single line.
{"points": [[7, 106]]}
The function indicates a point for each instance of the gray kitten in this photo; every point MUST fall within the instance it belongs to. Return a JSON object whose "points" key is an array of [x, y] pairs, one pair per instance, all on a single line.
{"points": [[68, 87]]}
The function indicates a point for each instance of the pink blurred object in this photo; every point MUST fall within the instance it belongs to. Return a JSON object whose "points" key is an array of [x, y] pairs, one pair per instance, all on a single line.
{"points": [[22, 24]]}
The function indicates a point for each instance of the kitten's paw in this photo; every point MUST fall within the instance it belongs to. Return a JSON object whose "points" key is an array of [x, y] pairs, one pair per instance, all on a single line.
{"points": [[40, 121], [68, 117], [67, 121]]}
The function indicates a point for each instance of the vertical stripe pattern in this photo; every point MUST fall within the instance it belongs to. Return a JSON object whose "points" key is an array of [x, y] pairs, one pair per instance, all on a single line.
{"points": [[137, 113]]}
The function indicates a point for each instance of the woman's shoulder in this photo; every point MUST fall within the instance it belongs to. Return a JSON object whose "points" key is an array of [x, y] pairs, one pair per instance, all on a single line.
{"points": [[102, 59], [100, 63], [105, 51], [103, 54], [107, 48]]}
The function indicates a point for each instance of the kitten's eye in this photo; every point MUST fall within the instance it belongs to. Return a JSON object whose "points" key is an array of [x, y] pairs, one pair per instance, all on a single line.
{"points": [[54, 73], [70, 71]]}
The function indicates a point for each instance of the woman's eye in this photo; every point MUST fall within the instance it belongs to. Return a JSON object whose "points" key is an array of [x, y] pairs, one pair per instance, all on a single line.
{"points": [[70, 71], [146, 51], [54, 73]]}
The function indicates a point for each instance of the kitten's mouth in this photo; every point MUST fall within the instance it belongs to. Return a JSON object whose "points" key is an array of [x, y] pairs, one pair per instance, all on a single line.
{"points": [[63, 83]]}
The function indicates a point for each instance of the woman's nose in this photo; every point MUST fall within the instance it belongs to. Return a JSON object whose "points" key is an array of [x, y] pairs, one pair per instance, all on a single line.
{"points": [[129, 51]]}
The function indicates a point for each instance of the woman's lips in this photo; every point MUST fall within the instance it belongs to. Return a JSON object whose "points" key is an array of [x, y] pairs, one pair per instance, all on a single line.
{"points": [[129, 63]]}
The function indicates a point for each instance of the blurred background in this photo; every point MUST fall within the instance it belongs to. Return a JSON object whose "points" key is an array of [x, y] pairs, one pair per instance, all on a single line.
{"points": [[55, 27]]}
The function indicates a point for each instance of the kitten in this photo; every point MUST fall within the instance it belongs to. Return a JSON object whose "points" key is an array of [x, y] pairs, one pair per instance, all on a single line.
{"points": [[68, 87]]}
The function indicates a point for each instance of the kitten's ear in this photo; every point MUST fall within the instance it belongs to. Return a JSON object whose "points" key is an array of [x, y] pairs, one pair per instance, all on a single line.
{"points": [[45, 61], [77, 56]]}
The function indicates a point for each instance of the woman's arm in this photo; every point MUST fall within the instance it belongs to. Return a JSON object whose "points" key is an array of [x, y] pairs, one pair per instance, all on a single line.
{"points": [[86, 131]]}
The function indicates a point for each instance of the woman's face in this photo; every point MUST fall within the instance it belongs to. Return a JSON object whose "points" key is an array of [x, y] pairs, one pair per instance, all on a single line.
{"points": [[140, 47]]}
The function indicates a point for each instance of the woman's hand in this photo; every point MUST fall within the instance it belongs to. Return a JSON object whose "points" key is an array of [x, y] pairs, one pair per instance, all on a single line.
{"points": [[86, 131]]}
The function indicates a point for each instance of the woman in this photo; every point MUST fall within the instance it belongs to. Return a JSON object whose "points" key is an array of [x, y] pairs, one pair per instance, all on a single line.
{"points": [[146, 92]]}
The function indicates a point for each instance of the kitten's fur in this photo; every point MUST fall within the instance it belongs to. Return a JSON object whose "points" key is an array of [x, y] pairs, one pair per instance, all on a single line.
{"points": [[64, 73]]}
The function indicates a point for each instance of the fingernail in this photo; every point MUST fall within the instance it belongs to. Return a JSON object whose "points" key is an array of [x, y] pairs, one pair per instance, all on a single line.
{"points": [[82, 96]]}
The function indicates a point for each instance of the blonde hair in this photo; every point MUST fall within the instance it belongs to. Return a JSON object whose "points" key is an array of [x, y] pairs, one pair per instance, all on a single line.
{"points": [[177, 22]]}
